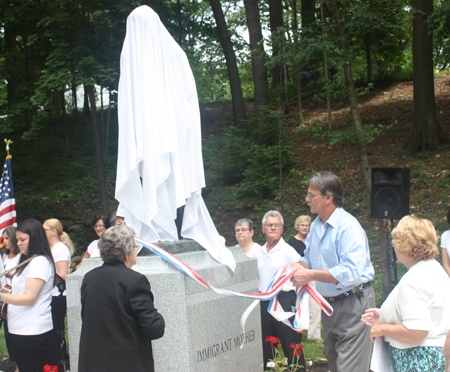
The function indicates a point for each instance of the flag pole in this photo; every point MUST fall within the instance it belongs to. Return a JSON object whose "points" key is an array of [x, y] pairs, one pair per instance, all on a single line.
{"points": [[7, 199]]}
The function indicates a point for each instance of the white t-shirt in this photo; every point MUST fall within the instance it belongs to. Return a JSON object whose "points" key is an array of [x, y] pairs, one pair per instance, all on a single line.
{"points": [[60, 252], [421, 301], [269, 263], [93, 249], [9, 264], [254, 251], [445, 241], [37, 318]]}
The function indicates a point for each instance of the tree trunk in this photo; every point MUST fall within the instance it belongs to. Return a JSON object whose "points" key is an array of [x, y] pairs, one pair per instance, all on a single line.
{"points": [[64, 123], [426, 133], [308, 13], [308, 24], [276, 24], [369, 59], [325, 62], [298, 71], [233, 72], [75, 108], [89, 89], [107, 125], [86, 104], [260, 81], [352, 95]]}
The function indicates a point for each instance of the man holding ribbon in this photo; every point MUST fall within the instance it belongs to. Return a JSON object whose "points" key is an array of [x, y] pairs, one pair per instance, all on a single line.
{"points": [[276, 254], [337, 257]]}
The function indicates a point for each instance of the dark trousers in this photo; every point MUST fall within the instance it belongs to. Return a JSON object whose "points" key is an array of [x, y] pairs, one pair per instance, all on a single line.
{"points": [[8, 341], [272, 327], [31, 351], [57, 342]]}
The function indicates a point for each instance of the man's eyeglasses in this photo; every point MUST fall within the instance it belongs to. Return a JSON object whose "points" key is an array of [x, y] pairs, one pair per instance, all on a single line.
{"points": [[312, 195], [275, 225], [242, 230]]}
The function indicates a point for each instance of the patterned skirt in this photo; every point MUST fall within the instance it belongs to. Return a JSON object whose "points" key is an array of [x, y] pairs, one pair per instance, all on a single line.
{"points": [[418, 359]]}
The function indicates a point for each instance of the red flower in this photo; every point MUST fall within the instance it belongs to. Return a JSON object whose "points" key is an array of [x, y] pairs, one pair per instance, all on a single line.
{"points": [[48, 368], [272, 340], [298, 348]]}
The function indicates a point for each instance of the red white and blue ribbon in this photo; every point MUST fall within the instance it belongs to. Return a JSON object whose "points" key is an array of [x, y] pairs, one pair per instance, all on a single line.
{"points": [[275, 286]]}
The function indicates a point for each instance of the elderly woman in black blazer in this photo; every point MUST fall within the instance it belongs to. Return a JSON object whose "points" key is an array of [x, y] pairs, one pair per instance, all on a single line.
{"points": [[119, 318]]}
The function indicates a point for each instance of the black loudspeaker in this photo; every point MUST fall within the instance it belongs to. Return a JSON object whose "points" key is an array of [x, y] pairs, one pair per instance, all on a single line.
{"points": [[390, 193]]}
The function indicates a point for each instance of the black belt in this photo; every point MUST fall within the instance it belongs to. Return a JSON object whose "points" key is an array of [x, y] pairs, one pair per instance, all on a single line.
{"points": [[355, 290]]}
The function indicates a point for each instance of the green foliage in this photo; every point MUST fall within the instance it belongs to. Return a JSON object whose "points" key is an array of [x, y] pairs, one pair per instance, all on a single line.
{"points": [[369, 133], [249, 157]]}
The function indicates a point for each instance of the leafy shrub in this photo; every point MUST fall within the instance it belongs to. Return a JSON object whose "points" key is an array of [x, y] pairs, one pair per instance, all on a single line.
{"points": [[369, 133], [249, 156]]}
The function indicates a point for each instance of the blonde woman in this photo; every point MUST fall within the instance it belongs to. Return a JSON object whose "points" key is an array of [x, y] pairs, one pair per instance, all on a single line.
{"points": [[415, 318], [62, 249], [302, 225]]}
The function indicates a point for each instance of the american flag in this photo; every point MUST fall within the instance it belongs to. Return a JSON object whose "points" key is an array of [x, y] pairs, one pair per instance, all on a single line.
{"points": [[7, 200]]}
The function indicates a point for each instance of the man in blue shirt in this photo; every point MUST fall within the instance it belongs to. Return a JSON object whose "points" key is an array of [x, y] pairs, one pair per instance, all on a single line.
{"points": [[337, 257]]}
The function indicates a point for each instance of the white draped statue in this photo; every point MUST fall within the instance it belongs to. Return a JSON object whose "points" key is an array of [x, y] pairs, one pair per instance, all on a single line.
{"points": [[160, 165]]}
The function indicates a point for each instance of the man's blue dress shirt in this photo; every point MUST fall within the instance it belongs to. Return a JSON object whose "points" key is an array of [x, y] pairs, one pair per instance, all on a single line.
{"points": [[341, 247]]}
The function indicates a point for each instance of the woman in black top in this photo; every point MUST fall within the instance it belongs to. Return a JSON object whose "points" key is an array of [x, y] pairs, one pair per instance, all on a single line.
{"points": [[302, 225]]}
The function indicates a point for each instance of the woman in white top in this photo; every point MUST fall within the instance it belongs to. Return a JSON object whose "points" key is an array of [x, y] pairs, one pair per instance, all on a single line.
{"points": [[445, 245], [10, 259], [62, 250], [29, 306], [415, 318], [100, 224], [11, 256]]}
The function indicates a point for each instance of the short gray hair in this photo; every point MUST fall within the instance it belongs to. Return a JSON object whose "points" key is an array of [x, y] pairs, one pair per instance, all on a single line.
{"points": [[273, 214], [116, 243], [328, 184], [244, 221]]}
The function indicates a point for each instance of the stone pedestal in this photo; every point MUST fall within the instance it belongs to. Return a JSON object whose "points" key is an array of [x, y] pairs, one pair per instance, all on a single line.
{"points": [[203, 332]]}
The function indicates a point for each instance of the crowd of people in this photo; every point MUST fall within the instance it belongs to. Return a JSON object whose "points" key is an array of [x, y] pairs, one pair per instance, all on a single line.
{"points": [[40, 257], [333, 254], [330, 253]]}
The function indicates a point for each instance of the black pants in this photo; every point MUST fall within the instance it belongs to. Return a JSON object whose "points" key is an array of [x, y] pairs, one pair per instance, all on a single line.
{"points": [[8, 341], [272, 327], [31, 351], [57, 342]]}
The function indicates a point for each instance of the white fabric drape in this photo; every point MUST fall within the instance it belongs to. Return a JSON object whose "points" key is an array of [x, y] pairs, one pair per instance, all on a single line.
{"points": [[160, 165]]}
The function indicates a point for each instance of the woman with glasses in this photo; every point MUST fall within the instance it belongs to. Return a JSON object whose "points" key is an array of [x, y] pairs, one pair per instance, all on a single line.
{"points": [[62, 251], [244, 235], [100, 223]]}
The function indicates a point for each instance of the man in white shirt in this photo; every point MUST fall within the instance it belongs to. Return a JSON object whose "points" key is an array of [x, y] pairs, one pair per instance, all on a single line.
{"points": [[244, 229], [276, 254]]}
